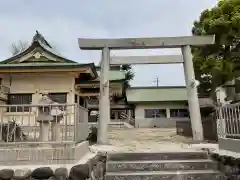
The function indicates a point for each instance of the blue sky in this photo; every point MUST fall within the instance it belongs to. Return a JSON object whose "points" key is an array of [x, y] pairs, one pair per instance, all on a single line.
{"points": [[62, 22]]}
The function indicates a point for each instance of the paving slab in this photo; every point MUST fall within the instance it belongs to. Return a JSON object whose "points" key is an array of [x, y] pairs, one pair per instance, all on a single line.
{"points": [[146, 140]]}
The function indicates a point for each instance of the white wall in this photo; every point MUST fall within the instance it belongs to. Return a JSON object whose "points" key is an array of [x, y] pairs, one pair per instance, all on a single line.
{"points": [[37, 83], [167, 122]]}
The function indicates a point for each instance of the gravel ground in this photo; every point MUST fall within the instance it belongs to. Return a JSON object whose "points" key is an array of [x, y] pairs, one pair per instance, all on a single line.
{"points": [[145, 140]]}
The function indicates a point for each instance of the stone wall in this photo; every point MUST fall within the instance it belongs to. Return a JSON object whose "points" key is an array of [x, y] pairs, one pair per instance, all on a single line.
{"points": [[229, 144], [209, 129], [228, 165], [93, 169]]}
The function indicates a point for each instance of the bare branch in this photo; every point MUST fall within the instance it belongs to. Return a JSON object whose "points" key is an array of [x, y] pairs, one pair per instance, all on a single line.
{"points": [[18, 47]]}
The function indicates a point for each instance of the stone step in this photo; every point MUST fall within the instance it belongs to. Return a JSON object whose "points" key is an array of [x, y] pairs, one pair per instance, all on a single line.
{"points": [[166, 175], [162, 165], [156, 156]]}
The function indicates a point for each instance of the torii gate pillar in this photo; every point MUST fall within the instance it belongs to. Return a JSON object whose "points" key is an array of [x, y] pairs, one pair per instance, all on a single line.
{"points": [[104, 101], [193, 103]]}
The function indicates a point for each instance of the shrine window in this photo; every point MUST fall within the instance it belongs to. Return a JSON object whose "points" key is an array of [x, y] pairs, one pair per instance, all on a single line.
{"points": [[155, 113], [19, 100], [60, 98]]}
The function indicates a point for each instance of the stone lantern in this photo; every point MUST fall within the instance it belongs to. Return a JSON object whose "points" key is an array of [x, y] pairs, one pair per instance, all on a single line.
{"points": [[49, 113], [44, 117], [57, 115]]}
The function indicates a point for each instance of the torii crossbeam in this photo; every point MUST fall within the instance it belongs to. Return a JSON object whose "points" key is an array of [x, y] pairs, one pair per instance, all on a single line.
{"points": [[147, 43]]}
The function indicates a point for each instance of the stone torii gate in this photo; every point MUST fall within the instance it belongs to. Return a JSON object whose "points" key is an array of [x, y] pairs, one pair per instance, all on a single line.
{"points": [[147, 43]]}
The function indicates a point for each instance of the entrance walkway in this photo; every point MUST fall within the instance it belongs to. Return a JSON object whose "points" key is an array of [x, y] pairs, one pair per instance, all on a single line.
{"points": [[145, 140]]}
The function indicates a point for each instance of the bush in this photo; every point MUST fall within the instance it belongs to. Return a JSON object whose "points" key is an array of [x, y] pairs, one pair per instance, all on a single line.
{"points": [[92, 136]]}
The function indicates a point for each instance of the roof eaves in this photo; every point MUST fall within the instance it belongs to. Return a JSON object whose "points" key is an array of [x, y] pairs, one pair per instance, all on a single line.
{"points": [[43, 65], [51, 51], [159, 87], [31, 47], [93, 69], [94, 81]]}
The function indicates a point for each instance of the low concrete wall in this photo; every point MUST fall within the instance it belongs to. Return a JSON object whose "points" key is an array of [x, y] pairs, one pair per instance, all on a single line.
{"points": [[81, 149], [158, 122], [228, 144], [53, 154], [184, 128]]}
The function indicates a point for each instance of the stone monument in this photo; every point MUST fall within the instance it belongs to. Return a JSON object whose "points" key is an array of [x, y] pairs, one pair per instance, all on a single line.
{"points": [[49, 113], [57, 115]]}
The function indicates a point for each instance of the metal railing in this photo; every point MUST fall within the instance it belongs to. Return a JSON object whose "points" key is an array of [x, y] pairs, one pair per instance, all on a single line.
{"points": [[127, 118], [29, 124], [228, 121], [124, 118], [42, 134]]}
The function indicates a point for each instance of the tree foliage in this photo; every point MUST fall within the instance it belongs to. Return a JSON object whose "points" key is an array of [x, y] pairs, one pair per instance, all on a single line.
{"points": [[18, 47], [128, 73], [216, 64]]}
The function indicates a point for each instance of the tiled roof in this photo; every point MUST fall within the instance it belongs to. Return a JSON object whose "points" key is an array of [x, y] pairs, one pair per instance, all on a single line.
{"points": [[38, 40], [42, 65], [157, 94]]}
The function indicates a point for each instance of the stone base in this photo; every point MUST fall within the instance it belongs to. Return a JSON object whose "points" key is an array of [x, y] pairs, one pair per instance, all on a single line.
{"points": [[49, 154], [92, 169], [228, 165]]}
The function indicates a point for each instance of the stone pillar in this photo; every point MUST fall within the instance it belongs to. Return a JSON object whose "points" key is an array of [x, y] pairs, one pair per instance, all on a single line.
{"points": [[57, 115], [194, 109], [168, 113], [104, 101], [44, 129], [221, 122], [56, 131], [2, 110], [116, 115], [129, 113]]}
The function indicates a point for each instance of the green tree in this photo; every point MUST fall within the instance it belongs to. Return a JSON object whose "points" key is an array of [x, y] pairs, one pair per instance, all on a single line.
{"points": [[216, 64], [129, 74]]}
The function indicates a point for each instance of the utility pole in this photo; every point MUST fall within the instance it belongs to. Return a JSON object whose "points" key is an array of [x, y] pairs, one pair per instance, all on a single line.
{"points": [[156, 80]]}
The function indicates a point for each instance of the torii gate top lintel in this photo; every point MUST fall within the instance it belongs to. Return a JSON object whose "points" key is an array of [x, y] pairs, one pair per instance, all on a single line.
{"points": [[145, 43]]}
